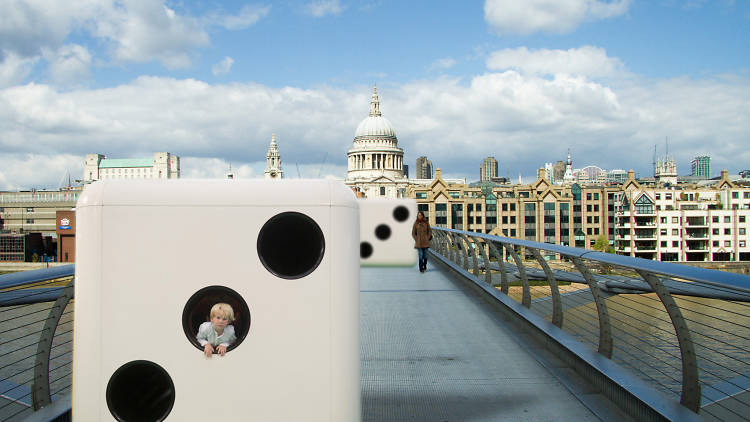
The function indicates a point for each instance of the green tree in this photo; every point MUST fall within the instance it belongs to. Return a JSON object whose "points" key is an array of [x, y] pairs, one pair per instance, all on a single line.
{"points": [[602, 245]]}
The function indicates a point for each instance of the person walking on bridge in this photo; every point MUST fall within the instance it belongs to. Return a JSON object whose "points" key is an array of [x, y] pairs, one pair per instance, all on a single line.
{"points": [[422, 235]]}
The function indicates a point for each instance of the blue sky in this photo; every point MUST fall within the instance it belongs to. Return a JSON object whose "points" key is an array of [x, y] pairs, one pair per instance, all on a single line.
{"points": [[522, 81]]}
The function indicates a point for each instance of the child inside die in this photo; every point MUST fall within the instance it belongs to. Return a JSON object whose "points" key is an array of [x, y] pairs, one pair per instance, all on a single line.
{"points": [[218, 334]]}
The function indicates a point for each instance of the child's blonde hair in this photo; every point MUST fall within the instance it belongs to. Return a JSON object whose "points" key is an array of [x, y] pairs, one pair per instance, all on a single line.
{"points": [[223, 309]]}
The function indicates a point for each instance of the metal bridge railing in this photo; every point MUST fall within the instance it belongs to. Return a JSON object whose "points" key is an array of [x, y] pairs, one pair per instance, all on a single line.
{"points": [[683, 330], [36, 340]]}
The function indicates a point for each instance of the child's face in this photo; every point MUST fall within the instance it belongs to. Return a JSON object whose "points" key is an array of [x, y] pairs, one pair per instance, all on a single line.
{"points": [[219, 322]]}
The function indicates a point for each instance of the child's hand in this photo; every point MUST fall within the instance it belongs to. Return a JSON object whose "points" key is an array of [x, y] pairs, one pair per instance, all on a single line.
{"points": [[222, 350], [209, 350]]}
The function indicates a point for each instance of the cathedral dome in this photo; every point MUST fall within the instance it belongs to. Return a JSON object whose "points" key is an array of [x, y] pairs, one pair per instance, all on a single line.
{"points": [[375, 124]]}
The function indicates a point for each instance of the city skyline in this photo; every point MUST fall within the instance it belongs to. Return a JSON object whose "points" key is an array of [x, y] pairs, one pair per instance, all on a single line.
{"points": [[523, 82]]}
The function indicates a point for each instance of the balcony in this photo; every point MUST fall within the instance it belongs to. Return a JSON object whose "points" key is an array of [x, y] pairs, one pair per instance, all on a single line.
{"points": [[696, 222], [697, 246], [645, 223]]}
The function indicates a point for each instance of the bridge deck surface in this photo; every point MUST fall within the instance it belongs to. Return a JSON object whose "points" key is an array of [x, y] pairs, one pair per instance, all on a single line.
{"points": [[432, 350]]}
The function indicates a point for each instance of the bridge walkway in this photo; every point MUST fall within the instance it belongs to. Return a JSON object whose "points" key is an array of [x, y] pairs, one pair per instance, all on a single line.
{"points": [[432, 350]]}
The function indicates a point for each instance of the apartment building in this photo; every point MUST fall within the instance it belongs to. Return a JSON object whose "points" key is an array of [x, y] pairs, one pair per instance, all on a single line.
{"points": [[683, 223]]}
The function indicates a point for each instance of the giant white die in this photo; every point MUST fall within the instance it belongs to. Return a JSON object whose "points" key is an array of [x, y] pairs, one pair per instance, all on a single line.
{"points": [[385, 232], [145, 248]]}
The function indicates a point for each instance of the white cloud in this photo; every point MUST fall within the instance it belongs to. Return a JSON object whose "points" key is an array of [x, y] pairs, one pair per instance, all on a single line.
{"points": [[248, 16], [145, 30], [14, 68], [224, 66], [555, 16], [522, 119], [443, 63], [134, 30], [320, 8], [587, 60], [69, 64]]}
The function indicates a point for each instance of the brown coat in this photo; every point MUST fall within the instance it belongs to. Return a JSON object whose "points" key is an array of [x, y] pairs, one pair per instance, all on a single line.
{"points": [[421, 233]]}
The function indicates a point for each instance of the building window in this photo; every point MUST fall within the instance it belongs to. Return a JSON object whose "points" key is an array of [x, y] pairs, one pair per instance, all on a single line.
{"points": [[588, 219], [512, 232], [663, 243], [29, 221], [505, 207], [421, 195], [742, 217], [479, 219], [727, 231], [727, 219], [716, 243], [663, 220], [505, 219], [663, 232], [675, 243], [658, 196], [735, 195], [588, 208], [675, 220], [668, 196], [715, 219], [727, 243], [512, 207], [588, 231], [382, 191], [742, 231], [479, 207], [742, 243], [29, 209], [596, 196], [588, 196], [512, 219], [715, 231], [746, 195], [675, 232]]}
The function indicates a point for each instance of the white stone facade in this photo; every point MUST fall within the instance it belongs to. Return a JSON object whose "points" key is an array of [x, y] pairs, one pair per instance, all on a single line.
{"points": [[162, 165]]}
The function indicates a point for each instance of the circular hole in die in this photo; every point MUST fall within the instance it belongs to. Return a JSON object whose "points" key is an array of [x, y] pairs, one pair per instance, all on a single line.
{"points": [[198, 310], [140, 390], [401, 213], [291, 245], [365, 249], [382, 231]]}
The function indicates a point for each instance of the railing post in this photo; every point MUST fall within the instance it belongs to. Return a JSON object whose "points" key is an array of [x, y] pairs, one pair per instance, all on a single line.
{"points": [[605, 327], [475, 251], [557, 314], [504, 284], [486, 259], [691, 388], [40, 392], [454, 248], [526, 299]]}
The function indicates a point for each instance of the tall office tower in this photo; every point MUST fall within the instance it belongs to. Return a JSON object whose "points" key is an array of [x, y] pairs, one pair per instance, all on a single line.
{"points": [[488, 169], [701, 166], [558, 171], [424, 168]]}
